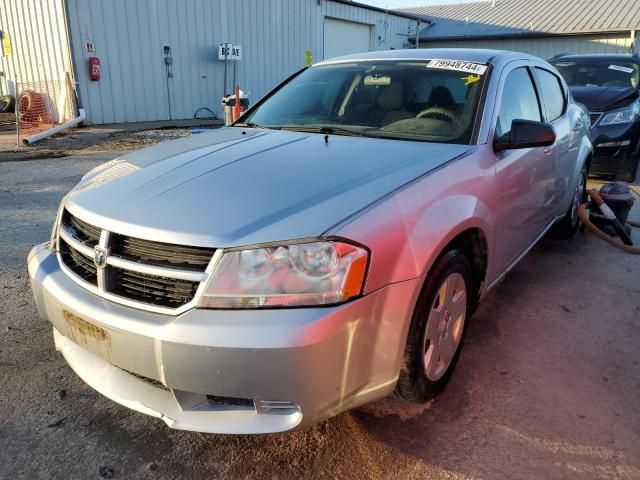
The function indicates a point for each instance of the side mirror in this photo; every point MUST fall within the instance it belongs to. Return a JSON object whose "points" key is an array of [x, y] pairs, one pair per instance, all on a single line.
{"points": [[525, 134]]}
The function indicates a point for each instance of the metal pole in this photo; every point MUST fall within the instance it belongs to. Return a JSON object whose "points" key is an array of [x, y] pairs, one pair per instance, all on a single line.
{"points": [[226, 62], [235, 76], [169, 92], [17, 110]]}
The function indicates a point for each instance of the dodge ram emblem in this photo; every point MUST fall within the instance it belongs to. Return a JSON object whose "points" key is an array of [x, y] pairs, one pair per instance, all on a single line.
{"points": [[100, 256]]}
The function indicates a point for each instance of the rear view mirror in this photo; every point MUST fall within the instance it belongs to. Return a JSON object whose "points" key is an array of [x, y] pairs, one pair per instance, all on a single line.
{"points": [[525, 134], [378, 80]]}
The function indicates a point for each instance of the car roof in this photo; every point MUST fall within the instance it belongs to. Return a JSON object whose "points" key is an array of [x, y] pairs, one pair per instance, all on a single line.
{"points": [[597, 57], [476, 55]]}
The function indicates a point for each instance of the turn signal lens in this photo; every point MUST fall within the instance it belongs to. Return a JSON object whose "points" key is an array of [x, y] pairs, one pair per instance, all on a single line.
{"points": [[288, 275]]}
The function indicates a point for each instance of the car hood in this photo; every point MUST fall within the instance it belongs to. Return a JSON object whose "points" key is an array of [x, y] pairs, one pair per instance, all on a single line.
{"points": [[233, 187], [601, 99]]}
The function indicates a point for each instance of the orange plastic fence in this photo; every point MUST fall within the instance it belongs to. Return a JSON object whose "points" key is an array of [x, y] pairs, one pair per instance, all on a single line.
{"points": [[38, 106]]}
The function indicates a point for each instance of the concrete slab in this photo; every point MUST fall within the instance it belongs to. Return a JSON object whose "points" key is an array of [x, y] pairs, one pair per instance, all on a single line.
{"points": [[547, 385]]}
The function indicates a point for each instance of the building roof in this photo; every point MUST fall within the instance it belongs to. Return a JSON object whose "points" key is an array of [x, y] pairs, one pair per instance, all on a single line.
{"points": [[475, 55], [515, 18], [397, 12]]}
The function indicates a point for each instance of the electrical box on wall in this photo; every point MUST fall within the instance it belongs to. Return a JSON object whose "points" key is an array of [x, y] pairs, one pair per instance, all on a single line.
{"points": [[229, 51]]}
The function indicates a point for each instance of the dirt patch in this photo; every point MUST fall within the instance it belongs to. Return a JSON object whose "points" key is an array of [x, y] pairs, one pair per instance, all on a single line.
{"points": [[394, 406], [22, 155], [119, 141], [89, 141]]}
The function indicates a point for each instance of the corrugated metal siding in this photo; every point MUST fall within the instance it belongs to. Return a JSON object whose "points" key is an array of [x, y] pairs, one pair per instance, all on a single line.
{"points": [[129, 37], [547, 47], [39, 39], [526, 16]]}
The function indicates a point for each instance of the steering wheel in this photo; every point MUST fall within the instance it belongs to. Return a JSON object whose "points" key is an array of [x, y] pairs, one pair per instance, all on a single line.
{"points": [[440, 114]]}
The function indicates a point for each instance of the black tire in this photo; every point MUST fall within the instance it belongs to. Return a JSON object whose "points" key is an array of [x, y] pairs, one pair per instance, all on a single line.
{"points": [[413, 384], [7, 104], [568, 226]]}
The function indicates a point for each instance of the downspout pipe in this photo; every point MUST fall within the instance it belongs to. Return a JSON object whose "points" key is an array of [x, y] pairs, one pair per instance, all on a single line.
{"points": [[52, 131]]}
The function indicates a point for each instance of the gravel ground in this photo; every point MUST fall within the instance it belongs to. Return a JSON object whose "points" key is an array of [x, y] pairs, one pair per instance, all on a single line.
{"points": [[547, 385]]}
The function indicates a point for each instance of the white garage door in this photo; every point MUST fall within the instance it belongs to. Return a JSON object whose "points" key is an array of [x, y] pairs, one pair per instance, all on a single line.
{"points": [[343, 38]]}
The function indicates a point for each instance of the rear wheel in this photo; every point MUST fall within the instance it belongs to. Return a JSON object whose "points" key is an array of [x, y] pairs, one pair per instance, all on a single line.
{"points": [[437, 329], [568, 226]]}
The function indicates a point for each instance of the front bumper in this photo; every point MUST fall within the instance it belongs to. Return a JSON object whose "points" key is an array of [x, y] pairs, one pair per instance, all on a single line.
{"points": [[611, 158], [317, 362]]}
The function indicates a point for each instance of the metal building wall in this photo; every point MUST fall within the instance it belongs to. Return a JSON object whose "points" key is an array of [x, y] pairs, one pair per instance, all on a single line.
{"points": [[129, 38], [547, 47], [39, 39]]}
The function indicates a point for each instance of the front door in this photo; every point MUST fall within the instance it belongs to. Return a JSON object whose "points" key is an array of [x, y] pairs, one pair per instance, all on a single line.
{"points": [[522, 174]]}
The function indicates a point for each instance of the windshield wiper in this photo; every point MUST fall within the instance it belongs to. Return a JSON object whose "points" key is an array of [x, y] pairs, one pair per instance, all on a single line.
{"points": [[327, 130], [251, 125]]}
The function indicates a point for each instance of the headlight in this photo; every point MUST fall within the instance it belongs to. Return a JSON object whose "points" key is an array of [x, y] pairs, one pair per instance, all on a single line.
{"points": [[322, 272], [625, 115], [53, 240]]}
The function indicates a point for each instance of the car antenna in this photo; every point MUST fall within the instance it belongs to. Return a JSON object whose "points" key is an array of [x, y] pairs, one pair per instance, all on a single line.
{"points": [[326, 139]]}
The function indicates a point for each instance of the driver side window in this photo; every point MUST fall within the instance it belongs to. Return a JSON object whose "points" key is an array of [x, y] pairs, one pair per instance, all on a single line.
{"points": [[519, 101]]}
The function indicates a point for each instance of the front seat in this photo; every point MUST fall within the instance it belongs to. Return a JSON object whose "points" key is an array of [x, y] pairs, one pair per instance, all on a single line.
{"points": [[390, 102]]}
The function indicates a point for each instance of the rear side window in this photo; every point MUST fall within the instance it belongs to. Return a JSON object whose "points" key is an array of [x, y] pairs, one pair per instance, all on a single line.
{"points": [[519, 101], [552, 93]]}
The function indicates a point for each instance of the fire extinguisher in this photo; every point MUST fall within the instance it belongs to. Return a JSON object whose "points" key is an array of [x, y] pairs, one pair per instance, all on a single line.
{"points": [[94, 69]]}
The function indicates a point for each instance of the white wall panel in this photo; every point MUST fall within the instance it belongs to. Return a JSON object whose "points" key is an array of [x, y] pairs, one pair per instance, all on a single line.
{"points": [[40, 46], [129, 36], [343, 38]]}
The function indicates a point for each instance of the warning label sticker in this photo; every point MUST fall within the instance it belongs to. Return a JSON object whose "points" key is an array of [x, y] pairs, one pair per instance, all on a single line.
{"points": [[458, 65]]}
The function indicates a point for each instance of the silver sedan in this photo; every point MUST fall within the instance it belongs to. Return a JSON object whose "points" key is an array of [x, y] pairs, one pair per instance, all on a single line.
{"points": [[326, 250]]}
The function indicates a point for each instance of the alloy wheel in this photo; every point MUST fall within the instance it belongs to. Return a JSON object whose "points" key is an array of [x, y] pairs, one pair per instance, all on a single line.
{"points": [[445, 326]]}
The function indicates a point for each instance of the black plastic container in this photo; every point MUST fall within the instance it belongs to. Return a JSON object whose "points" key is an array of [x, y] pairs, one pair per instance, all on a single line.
{"points": [[620, 199]]}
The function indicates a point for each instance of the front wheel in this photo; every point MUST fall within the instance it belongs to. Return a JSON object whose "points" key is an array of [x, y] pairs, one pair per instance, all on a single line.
{"points": [[437, 329]]}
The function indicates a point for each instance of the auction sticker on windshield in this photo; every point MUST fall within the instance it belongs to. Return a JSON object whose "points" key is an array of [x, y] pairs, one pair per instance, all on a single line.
{"points": [[458, 65], [621, 69]]}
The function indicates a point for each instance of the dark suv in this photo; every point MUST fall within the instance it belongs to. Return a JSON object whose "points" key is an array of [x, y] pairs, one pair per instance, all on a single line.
{"points": [[609, 86]]}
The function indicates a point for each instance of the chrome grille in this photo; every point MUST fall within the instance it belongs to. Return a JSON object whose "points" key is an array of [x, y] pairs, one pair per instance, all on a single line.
{"points": [[147, 272], [167, 292], [78, 263], [87, 234], [161, 254]]}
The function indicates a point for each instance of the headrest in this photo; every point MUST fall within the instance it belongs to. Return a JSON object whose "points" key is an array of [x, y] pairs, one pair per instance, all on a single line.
{"points": [[391, 97]]}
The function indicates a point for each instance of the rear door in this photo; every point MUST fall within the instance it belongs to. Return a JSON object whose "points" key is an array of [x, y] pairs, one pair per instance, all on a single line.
{"points": [[522, 174], [565, 148]]}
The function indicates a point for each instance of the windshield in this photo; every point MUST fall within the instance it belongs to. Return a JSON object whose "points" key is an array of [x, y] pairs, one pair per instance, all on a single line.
{"points": [[600, 73], [400, 100]]}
